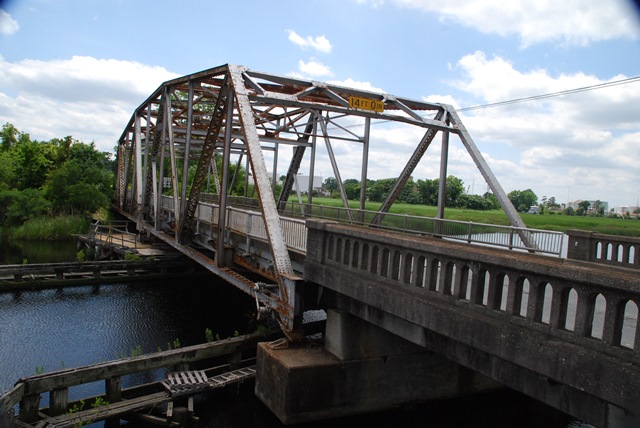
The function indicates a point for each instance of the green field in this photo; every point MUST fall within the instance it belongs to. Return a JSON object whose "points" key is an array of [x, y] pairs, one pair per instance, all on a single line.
{"points": [[560, 223]]}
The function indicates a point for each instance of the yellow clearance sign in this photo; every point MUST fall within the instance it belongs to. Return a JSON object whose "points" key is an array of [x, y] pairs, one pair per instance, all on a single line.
{"points": [[366, 104]]}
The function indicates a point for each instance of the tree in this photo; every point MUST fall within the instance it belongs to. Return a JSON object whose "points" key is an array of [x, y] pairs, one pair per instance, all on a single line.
{"points": [[495, 204], [330, 185], [34, 161], [474, 202], [18, 206], [379, 189], [429, 190], [523, 199], [9, 136], [8, 166], [583, 207], [454, 189], [352, 188]]}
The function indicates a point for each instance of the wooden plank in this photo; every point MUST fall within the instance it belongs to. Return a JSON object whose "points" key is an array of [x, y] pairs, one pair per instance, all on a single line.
{"points": [[107, 411], [11, 398], [70, 377]]}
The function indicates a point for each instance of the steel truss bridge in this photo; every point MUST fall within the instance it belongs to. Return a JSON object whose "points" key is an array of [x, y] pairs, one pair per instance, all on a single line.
{"points": [[181, 151]]}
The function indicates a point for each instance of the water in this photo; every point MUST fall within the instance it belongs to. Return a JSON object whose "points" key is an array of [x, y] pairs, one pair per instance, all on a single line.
{"points": [[52, 329]]}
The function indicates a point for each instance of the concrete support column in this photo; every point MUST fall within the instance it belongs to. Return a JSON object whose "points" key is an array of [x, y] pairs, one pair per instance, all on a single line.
{"points": [[361, 368]]}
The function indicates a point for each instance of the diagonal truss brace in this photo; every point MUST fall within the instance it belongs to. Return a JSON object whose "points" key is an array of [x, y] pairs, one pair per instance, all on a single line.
{"points": [[408, 169], [289, 285], [209, 145]]}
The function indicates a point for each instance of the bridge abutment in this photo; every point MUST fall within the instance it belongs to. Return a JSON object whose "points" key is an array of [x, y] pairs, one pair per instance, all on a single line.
{"points": [[360, 368]]}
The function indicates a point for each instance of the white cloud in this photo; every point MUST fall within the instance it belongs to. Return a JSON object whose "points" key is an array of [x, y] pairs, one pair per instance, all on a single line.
{"points": [[587, 141], [314, 68], [88, 98], [374, 3], [574, 22], [8, 25], [319, 44], [350, 83]]}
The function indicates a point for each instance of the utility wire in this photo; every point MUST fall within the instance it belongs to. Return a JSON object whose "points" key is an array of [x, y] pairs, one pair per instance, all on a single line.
{"points": [[553, 94], [531, 98]]}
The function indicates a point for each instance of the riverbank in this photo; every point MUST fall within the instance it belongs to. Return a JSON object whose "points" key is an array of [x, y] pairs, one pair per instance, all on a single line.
{"points": [[59, 228]]}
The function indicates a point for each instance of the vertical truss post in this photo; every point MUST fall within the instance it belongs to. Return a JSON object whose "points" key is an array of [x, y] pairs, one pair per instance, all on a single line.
{"points": [[224, 188], [163, 151], [129, 174], [442, 185], [138, 165], [177, 203], [336, 171], [122, 187], [312, 170], [187, 144], [365, 166], [151, 187]]}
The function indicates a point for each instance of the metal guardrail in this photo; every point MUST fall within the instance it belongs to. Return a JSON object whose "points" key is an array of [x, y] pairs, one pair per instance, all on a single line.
{"points": [[546, 241], [114, 233], [250, 223]]}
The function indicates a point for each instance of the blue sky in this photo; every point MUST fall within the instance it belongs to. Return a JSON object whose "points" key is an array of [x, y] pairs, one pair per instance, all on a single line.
{"points": [[80, 68]]}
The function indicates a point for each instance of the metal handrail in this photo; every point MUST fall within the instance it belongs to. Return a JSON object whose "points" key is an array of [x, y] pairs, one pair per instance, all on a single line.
{"points": [[546, 241], [509, 237]]}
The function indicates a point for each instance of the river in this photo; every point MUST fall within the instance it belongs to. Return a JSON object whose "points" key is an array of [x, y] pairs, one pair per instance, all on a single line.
{"points": [[53, 329]]}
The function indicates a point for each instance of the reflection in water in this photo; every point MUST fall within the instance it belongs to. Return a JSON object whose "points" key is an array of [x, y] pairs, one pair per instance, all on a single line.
{"points": [[17, 252], [53, 329]]}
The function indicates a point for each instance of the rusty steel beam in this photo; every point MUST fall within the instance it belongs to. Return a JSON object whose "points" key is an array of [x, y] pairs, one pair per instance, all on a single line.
{"points": [[238, 112], [215, 126]]}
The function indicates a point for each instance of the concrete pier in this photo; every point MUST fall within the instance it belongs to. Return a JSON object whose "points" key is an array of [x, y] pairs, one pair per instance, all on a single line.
{"points": [[360, 368]]}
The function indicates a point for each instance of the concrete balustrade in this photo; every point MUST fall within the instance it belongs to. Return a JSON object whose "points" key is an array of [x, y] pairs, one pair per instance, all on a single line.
{"points": [[562, 331], [621, 251], [551, 300]]}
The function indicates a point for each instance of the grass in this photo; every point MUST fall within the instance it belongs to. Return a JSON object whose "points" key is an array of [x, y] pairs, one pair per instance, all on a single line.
{"points": [[560, 223], [51, 228]]}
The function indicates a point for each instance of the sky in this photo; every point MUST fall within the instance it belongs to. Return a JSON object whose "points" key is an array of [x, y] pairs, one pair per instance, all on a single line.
{"points": [[81, 67]]}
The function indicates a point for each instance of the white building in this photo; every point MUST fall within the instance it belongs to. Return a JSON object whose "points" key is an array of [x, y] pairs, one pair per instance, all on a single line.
{"points": [[576, 204], [623, 210], [301, 183]]}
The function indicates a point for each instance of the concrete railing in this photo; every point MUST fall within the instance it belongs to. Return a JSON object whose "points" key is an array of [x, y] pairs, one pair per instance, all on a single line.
{"points": [[611, 250], [592, 307], [560, 325]]}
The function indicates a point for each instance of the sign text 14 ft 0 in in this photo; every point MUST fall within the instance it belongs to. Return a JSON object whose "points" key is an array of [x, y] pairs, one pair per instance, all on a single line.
{"points": [[366, 104]]}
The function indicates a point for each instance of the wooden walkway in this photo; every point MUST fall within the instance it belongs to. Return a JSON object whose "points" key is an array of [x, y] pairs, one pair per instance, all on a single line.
{"points": [[177, 384], [121, 404], [191, 382]]}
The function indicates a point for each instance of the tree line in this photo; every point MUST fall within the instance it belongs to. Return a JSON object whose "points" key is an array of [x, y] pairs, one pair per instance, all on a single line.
{"points": [[62, 176], [418, 192]]}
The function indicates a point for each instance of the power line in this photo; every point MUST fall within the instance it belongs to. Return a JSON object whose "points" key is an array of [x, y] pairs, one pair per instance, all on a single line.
{"points": [[553, 94], [532, 98]]}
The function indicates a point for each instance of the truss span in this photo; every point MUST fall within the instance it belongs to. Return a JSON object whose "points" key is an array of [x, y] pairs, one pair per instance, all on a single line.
{"points": [[229, 124]]}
